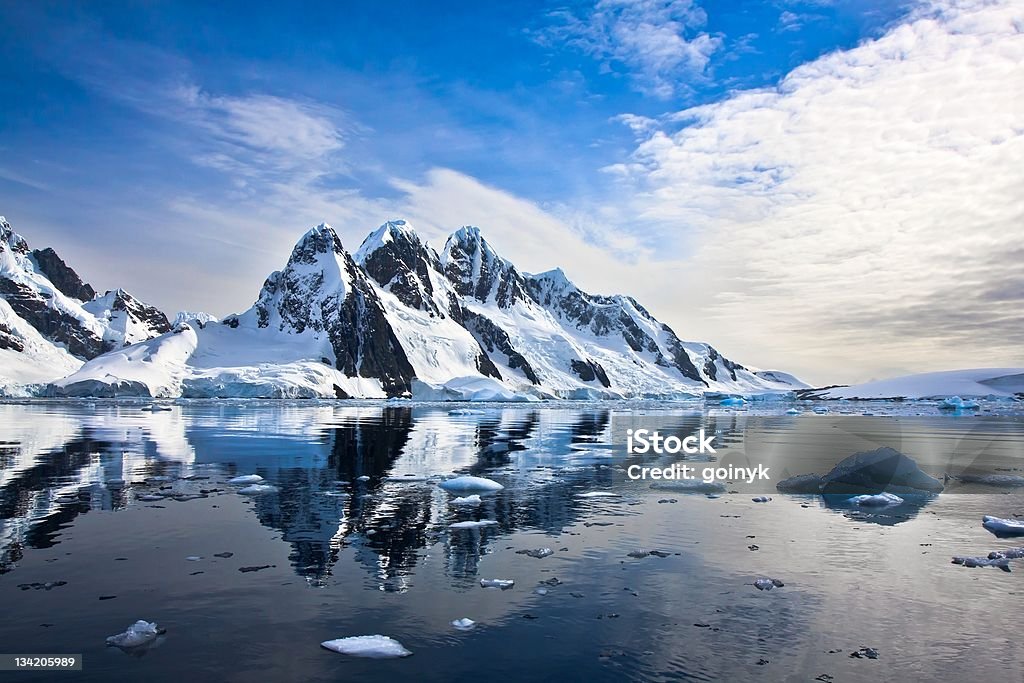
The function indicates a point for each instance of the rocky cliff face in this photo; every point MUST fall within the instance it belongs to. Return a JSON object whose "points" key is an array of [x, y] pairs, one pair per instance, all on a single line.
{"points": [[322, 290]]}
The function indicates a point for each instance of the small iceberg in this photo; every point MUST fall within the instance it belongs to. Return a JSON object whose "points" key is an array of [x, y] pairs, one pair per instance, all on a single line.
{"points": [[155, 408], [538, 553], [465, 411], [1003, 527], [877, 500], [793, 411], [472, 525], [503, 584], [957, 403], [474, 499], [731, 401], [821, 410], [599, 494], [468, 483], [998, 562], [139, 633], [762, 499], [464, 624], [257, 489], [363, 478], [246, 479], [372, 647], [766, 584]]}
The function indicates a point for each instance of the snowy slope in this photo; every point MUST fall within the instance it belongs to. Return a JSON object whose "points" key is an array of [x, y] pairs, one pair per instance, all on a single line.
{"points": [[1002, 382], [151, 368]]}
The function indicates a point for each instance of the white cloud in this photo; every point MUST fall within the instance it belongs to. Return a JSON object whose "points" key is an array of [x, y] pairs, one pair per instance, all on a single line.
{"points": [[657, 40], [868, 213]]}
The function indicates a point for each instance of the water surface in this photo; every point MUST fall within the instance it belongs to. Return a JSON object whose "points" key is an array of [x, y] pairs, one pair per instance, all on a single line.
{"points": [[356, 540]]}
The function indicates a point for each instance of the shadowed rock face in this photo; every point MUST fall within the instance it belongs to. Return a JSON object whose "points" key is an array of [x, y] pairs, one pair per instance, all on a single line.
{"points": [[150, 316], [62, 276], [492, 338], [55, 325], [9, 340], [402, 264], [477, 272], [322, 289], [884, 469]]}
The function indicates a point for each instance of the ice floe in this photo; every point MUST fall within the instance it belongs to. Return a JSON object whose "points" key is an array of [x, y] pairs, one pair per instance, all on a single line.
{"points": [[472, 524], [464, 624], [373, 647], [998, 562], [957, 403], [503, 584], [139, 633], [599, 494], [469, 483], [1003, 527], [538, 553], [766, 584], [474, 499], [876, 500], [762, 499], [793, 411], [257, 489], [246, 479]]}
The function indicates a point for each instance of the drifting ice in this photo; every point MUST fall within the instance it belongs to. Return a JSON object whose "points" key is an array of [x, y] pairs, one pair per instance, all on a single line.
{"points": [[877, 500], [497, 583], [472, 525], [468, 483], [257, 489], [374, 647], [467, 500], [464, 624], [139, 633], [1003, 527], [246, 479]]}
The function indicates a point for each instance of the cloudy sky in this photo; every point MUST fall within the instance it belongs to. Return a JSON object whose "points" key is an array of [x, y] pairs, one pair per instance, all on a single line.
{"points": [[834, 188]]}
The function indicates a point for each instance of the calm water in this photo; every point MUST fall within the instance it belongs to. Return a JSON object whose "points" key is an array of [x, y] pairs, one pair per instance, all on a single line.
{"points": [[346, 556]]}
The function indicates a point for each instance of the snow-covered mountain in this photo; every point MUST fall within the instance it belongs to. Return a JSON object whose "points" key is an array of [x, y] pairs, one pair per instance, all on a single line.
{"points": [[51, 321], [974, 383], [396, 318]]}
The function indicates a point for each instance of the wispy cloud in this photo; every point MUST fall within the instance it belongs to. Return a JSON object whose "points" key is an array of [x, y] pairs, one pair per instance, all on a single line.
{"points": [[874, 200], [659, 42]]}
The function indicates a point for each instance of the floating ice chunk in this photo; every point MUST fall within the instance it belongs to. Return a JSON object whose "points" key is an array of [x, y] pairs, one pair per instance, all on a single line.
{"points": [[257, 489], [538, 553], [246, 479], [363, 478], [766, 584], [793, 411], [465, 411], [373, 647], [472, 525], [193, 558], [139, 633], [464, 624], [540, 591], [503, 584], [1008, 553], [467, 500], [731, 401], [762, 499], [957, 403], [877, 500], [821, 410], [999, 562], [468, 483], [1003, 527], [155, 408], [149, 498], [599, 494]]}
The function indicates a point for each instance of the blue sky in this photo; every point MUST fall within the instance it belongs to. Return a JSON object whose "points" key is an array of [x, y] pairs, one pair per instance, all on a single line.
{"points": [[179, 149]]}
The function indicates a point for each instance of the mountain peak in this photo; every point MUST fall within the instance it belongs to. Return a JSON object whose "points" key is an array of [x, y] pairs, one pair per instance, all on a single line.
{"points": [[476, 270], [317, 241], [391, 231]]}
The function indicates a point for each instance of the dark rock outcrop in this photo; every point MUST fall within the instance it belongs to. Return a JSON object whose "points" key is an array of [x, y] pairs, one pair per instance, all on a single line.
{"points": [[62, 275]]}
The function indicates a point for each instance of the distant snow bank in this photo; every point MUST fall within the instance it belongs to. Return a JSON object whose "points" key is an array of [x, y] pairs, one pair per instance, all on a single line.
{"points": [[977, 382]]}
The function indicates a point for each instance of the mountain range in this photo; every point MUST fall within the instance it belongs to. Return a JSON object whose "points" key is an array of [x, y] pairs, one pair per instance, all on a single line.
{"points": [[394, 319]]}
